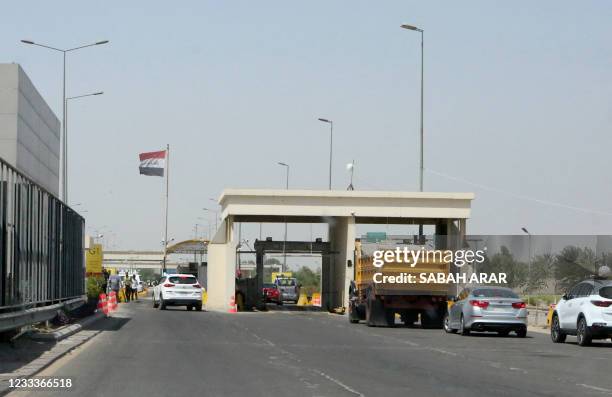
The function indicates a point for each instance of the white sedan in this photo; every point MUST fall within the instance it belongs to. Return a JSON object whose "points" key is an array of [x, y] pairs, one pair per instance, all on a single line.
{"points": [[178, 290]]}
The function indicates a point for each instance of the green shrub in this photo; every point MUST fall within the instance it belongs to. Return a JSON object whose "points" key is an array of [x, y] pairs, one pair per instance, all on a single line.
{"points": [[94, 286]]}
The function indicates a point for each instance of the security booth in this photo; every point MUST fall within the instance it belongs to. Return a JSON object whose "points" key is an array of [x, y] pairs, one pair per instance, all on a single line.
{"points": [[342, 211]]}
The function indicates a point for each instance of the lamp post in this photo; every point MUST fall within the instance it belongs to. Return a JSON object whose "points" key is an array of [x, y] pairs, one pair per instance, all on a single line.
{"points": [[285, 238], [66, 133], [529, 266], [421, 167], [331, 141], [64, 145], [216, 216]]}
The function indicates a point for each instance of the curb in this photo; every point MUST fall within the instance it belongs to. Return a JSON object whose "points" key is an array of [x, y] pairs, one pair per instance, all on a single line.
{"points": [[66, 331], [56, 352]]}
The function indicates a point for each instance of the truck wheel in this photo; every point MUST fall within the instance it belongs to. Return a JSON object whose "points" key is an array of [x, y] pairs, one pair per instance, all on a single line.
{"points": [[390, 318], [432, 319], [408, 318]]}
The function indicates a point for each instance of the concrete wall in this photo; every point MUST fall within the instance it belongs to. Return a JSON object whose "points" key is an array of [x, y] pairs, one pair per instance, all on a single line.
{"points": [[221, 270], [29, 130], [342, 239]]}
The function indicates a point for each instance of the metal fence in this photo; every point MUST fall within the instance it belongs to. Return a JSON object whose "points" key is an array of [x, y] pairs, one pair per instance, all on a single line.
{"points": [[41, 245]]}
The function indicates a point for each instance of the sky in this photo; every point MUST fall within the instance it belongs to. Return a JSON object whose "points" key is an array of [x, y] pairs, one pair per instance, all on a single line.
{"points": [[517, 105]]}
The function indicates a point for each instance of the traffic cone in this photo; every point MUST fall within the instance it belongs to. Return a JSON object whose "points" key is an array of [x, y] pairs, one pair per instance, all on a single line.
{"points": [[233, 308], [112, 304], [103, 304]]}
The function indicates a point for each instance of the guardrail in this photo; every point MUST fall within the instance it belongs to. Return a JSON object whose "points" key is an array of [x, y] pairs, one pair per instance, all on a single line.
{"points": [[41, 246]]}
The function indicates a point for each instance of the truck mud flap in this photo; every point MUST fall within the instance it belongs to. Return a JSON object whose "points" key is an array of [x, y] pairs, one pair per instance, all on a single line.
{"points": [[377, 315]]}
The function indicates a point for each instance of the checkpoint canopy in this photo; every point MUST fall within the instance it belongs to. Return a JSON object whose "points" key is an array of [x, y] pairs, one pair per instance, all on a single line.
{"points": [[341, 210]]}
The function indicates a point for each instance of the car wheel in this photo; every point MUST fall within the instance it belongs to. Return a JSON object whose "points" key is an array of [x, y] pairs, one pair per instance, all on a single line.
{"points": [[504, 332], [583, 334], [198, 307], [155, 304], [462, 329], [162, 304], [189, 308], [447, 326], [521, 333], [556, 334]]}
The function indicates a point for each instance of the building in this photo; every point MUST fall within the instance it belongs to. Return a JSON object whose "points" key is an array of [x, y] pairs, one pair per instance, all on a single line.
{"points": [[29, 130]]}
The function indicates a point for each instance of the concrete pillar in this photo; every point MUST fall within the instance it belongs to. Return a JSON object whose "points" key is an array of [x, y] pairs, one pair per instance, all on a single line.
{"points": [[342, 240], [221, 268]]}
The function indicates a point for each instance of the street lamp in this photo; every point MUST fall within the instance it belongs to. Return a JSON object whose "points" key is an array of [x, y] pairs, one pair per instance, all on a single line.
{"points": [[285, 239], [331, 140], [64, 145], [66, 132], [410, 27], [529, 266], [216, 216]]}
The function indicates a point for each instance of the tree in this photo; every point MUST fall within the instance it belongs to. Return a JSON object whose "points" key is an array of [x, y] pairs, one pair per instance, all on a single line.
{"points": [[504, 262], [574, 264], [542, 268], [309, 279]]}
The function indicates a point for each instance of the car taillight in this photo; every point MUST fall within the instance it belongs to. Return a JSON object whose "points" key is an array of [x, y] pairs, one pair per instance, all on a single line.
{"points": [[480, 304], [168, 285], [519, 305], [602, 303], [197, 286]]}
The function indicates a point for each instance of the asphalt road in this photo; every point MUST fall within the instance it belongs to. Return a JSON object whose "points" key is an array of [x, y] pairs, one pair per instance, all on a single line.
{"points": [[149, 352]]}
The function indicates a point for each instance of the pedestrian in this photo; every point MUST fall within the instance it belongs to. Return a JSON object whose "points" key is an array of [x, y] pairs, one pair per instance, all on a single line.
{"points": [[114, 284], [128, 288], [134, 287], [106, 275]]}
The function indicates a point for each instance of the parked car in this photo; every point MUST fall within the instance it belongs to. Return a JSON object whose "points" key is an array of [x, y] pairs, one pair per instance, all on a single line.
{"points": [[585, 311], [178, 290], [289, 288], [481, 309], [271, 293]]}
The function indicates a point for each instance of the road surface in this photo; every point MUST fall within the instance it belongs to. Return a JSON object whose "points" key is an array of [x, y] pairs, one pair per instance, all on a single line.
{"points": [[148, 352]]}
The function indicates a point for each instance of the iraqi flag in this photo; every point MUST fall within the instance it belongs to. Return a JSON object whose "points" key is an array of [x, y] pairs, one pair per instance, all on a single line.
{"points": [[153, 163]]}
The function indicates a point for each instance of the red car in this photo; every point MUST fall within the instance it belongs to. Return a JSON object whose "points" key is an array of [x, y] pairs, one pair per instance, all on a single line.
{"points": [[271, 293]]}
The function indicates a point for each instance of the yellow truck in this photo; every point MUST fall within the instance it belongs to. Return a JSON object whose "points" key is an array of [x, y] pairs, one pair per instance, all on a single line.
{"points": [[378, 293]]}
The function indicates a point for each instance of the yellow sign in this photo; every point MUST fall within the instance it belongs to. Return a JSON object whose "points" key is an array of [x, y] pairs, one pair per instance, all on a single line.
{"points": [[281, 274], [93, 259]]}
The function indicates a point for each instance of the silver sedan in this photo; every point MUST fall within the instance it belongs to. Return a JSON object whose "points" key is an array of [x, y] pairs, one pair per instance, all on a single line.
{"points": [[482, 309]]}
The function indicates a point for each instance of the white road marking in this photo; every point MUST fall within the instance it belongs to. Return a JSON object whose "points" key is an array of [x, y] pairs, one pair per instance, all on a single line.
{"points": [[336, 381], [596, 388]]}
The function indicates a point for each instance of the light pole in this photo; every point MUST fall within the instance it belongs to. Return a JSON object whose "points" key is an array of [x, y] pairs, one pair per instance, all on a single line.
{"points": [[529, 267], [64, 145], [421, 167], [350, 167], [216, 216], [66, 133], [285, 239], [331, 141]]}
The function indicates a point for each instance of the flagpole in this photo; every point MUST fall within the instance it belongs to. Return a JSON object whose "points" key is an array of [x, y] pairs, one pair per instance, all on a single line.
{"points": [[167, 171]]}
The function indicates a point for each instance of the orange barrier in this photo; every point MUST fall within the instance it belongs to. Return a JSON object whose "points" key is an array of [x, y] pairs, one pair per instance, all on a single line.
{"points": [[103, 304], [112, 303], [316, 299], [233, 308]]}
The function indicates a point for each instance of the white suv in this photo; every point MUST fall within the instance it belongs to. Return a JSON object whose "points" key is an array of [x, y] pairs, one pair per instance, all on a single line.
{"points": [[585, 311], [178, 290]]}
